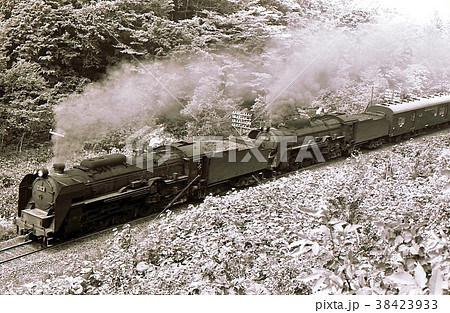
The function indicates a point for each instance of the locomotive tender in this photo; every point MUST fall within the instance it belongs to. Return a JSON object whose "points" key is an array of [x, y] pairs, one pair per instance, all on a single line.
{"points": [[113, 189]]}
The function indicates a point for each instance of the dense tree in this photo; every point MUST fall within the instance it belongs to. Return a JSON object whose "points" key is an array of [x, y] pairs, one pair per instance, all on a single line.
{"points": [[66, 44], [24, 106]]}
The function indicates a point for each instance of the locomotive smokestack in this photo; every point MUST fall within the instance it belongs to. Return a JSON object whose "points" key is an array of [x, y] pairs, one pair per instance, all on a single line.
{"points": [[59, 168]]}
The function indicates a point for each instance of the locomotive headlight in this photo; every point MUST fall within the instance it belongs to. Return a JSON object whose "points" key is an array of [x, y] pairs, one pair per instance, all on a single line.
{"points": [[42, 173]]}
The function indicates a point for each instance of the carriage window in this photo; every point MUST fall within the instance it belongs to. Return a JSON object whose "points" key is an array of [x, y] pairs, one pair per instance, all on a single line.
{"points": [[413, 116], [435, 112], [401, 121], [442, 111]]}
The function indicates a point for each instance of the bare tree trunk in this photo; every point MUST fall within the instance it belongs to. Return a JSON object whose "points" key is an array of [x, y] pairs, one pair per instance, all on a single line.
{"points": [[1, 142], [21, 142]]}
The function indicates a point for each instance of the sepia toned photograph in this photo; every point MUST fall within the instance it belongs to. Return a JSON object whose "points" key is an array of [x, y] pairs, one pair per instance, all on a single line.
{"points": [[226, 147]]}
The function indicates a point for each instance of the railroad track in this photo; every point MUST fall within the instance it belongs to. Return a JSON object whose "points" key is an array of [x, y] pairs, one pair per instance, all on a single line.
{"points": [[19, 250]]}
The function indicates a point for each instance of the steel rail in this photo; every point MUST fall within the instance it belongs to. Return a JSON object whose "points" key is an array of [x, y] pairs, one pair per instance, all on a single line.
{"points": [[16, 245], [9, 259], [22, 255]]}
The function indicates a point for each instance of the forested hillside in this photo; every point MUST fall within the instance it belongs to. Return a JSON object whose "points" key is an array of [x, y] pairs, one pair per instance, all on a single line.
{"points": [[187, 65], [95, 71]]}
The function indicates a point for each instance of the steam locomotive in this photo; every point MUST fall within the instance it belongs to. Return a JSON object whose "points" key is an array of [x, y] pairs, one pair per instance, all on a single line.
{"points": [[113, 188]]}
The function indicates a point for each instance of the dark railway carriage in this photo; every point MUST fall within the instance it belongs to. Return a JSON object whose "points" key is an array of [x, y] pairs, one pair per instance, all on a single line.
{"points": [[230, 161], [410, 117], [216, 161], [367, 129]]}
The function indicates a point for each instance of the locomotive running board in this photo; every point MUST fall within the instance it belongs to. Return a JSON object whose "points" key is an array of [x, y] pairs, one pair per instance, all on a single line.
{"points": [[116, 196]]}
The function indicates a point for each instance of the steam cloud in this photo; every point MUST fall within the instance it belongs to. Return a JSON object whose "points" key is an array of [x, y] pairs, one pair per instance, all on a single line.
{"points": [[393, 55], [132, 96], [384, 55]]}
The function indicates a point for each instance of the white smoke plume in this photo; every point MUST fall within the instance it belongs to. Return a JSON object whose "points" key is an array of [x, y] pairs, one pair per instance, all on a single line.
{"points": [[384, 54], [401, 56], [131, 96]]}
